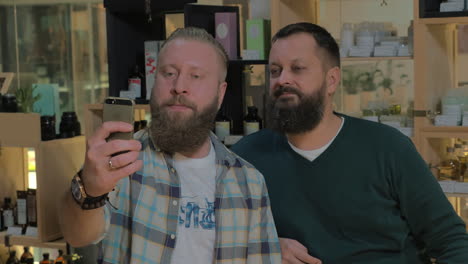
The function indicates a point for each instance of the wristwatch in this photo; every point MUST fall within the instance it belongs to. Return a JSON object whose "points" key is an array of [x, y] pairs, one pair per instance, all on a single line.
{"points": [[85, 201]]}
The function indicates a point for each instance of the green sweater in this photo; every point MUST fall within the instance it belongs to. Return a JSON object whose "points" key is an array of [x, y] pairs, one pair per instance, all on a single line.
{"points": [[368, 198]]}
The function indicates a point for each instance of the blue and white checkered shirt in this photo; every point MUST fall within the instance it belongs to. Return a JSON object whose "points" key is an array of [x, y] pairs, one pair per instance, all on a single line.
{"points": [[143, 228]]}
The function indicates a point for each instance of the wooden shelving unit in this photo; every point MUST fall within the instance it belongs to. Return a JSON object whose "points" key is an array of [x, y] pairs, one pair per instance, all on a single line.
{"points": [[56, 163], [375, 58], [33, 242], [443, 20]]}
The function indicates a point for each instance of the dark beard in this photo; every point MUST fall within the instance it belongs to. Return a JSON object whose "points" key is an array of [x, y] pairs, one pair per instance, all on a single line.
{"points": [[296, 119], [181, 133]]}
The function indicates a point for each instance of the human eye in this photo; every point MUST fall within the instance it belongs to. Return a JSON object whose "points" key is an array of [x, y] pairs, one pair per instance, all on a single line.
{"points": [[168, 73], [275, 72], [297, 68]]}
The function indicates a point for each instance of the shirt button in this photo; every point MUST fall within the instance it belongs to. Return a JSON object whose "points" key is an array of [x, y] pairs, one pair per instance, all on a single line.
{"points": [[173, 170], [174, 202], [172, 236]]}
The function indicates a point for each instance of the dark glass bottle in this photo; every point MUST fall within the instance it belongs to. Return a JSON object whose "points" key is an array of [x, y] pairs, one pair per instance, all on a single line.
{"points": [[12, 259], [252, 122], [47, 127], [223, 125], [46, 259], [60, 258], [8, 216], [32, 208], [135, 83], [1, 102], [9, 103], [26, 257], [69, 125]]}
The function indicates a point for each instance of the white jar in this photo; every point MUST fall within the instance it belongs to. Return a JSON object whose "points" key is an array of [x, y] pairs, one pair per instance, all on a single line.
{"points": [[365, 37], [347, 36]]}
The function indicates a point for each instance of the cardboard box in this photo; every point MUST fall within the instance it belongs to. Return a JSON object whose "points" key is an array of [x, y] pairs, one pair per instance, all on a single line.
{"points": [[226, 32], [259, 36]]}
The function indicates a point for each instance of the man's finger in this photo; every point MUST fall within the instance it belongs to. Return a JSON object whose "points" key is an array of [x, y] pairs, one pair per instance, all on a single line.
{"points": [[127, 170], [118, 145], [295, 244], [306, 258], [123, 159], [291, 260], [107, 128]]}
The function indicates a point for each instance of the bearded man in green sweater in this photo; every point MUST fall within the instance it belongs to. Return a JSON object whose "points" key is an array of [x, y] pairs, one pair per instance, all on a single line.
{"points": [[342, 189]]}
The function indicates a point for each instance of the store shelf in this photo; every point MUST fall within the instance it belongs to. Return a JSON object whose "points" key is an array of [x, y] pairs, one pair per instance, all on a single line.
{"points": [[20, 130], [56, 163], [33, 242], [444, 20], [100, 107], [375, 58], [444, 132], [458, 195]]}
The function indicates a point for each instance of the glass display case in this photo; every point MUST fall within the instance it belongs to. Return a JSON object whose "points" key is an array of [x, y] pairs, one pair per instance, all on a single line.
{"points": [[54, 43]]}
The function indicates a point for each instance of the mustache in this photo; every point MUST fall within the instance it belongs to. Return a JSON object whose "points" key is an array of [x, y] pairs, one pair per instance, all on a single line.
{"points": [[180, 100], [286, 89]]}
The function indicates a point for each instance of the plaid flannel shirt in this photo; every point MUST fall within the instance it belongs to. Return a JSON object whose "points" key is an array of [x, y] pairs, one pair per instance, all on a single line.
{"points": [[142, 227]]}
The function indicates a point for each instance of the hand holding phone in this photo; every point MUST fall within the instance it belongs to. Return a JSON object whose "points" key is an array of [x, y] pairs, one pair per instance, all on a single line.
{"points": [[119, 109]]}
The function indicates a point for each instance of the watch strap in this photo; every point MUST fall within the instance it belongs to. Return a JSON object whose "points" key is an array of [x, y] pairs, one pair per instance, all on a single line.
{"points": [[89, 202]]}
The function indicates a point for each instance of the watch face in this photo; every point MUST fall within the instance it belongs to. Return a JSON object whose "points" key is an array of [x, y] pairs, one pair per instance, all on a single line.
{"points": [[76, 190]]}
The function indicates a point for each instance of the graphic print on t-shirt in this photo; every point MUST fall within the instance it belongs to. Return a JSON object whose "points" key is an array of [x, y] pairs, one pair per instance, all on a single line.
{"points": [[197, 213]]}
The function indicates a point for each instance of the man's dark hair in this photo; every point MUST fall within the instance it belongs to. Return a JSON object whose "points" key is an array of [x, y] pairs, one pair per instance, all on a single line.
{"points": [[323, 38]]}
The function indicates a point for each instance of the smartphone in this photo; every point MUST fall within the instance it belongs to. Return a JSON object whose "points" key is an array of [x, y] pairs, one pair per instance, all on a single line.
{"points": [[119, 109]]}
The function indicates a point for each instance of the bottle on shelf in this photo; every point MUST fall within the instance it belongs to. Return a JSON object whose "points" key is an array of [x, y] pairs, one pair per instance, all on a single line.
{"points": [[134, 83], [26, 257], [448, 168], [2, 225], [223, 125], [60, 259], [46, 259], [252, 122], [462, 160], [21, 208], [143, 121], [12, 259], [32, 209], [8, 215]]}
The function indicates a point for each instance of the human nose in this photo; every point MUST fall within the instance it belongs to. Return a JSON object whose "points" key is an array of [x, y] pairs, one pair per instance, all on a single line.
{"points": [[285, 78], [181, 85]]}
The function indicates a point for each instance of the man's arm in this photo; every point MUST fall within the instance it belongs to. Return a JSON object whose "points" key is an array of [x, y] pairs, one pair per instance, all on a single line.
{"points": [[430, 215], [83, 227], [263, 231]]}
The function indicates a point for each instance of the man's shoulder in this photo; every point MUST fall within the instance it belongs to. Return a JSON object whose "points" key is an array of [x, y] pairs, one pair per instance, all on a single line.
{"points": [[242, 171], [374, 133], [262, 140]]}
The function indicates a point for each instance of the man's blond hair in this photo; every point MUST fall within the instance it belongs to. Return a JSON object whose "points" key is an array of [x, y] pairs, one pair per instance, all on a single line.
{"points": [[199, 34]]}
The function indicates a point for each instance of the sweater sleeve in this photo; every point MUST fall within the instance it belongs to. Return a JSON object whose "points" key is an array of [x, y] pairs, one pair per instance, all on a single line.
{"points": [[431, 217]]}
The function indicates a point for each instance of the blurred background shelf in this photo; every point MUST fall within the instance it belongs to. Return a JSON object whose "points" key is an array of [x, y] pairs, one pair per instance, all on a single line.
{"points": [[33, 242]]}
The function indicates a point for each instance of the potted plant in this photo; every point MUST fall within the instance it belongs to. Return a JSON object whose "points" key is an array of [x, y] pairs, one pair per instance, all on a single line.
{"points": [[26, 99], [368, 87], [351, 98]]}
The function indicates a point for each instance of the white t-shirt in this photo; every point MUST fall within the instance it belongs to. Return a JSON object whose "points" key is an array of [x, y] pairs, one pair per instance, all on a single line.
{"points": [[196, 226], [313, 154]]}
